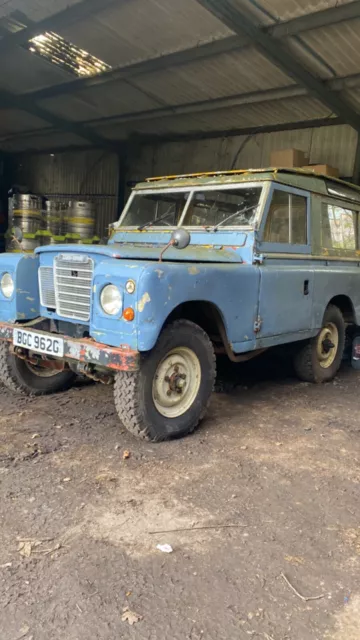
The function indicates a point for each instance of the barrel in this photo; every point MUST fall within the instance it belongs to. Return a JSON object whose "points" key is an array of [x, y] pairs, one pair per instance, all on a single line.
{"points": [[81, 219], [26, 213], [44, 237], [53, 217]]}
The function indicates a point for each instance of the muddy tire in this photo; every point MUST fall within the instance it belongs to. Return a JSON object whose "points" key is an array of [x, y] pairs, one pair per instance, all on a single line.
{"points": [[170, 393], [21, 378], [318, 360]]}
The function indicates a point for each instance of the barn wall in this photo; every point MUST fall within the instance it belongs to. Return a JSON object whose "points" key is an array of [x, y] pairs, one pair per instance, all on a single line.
{"points": [[89, 175], [335, 145]]}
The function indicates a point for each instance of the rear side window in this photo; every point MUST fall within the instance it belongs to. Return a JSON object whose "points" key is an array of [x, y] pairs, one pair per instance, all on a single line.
{"points": [[287, 219], [338, 227]]}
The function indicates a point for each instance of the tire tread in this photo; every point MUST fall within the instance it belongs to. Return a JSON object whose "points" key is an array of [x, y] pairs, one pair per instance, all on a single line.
{"points": [[127, 383]]}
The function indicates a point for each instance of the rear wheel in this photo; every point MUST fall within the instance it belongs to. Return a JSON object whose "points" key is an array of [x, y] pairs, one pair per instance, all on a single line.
{"points": [[170, 393], [22, 377], [320, 358]]}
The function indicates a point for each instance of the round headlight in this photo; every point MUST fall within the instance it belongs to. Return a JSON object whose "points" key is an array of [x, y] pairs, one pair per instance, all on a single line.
{"points": [[130, 286], [7, 285], [111, 300]]}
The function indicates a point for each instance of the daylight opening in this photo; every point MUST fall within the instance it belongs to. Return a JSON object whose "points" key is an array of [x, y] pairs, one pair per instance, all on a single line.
{"points": [[67, 55]]}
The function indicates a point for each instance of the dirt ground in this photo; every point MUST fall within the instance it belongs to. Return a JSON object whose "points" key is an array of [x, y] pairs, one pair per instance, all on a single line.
{"points": [[264, 498]]}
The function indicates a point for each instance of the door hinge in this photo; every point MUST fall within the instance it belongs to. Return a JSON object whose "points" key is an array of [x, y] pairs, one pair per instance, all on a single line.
{"points": [[257, 324], [258, 258]]}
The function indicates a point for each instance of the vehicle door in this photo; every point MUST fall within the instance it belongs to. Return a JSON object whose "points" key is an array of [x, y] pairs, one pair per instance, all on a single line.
{"points": [[286, 273]]}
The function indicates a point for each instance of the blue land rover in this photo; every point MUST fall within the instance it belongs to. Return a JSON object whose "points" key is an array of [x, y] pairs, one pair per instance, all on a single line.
{"points": [[224, 263]]}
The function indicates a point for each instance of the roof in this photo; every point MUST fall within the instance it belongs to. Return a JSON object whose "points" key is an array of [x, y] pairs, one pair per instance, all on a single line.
{"points": [[301, 178], [195, 68]]}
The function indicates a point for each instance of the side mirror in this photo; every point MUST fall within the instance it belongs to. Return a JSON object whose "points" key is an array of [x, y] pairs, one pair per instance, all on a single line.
{"points": [[180, 238]]}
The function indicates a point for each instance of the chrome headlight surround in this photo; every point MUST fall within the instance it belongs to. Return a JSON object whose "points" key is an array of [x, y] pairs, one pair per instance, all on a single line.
{"points": [[111, 300]]}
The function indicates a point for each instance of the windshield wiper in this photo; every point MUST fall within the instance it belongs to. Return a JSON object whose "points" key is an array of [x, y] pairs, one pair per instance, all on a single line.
{"points": [[151, 222], [233, 215]]}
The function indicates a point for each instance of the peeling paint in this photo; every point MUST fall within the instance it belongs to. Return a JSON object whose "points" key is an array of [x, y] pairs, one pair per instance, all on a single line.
{"points": [[143, 301], [159, 272], [193, 271], [30, 299], [94, 288], [92, 353], [74, 350]]}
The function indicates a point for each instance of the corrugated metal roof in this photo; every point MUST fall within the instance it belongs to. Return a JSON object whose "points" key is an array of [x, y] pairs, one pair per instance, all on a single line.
{"points": [[137, 30], [228, 74], [14, 120], [25, 72], [100, 102], [142, 29], [268, 11], [338, 44], [289, 110], [35, 9]]}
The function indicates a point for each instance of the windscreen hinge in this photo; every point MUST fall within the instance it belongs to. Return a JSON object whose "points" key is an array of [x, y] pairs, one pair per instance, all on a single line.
{"points": [[258, 258]]}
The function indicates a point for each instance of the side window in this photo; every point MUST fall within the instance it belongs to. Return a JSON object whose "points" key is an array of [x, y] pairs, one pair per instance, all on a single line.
{"points": [[338, 227], [287, 219]]}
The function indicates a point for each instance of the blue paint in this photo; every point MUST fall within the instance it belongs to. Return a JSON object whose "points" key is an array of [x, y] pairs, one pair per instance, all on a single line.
{"points": [[24, 303], [247, 280]]}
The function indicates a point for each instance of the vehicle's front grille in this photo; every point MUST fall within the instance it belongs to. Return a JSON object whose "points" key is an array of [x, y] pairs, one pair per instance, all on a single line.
{"points": [[72, 278], [47, 290]]}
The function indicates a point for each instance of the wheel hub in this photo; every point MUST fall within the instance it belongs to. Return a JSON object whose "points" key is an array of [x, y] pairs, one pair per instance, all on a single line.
{"points": [[176, 382], [327, 345]]}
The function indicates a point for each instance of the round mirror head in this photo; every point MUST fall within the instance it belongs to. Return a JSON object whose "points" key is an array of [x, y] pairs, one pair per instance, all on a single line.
{"points": [[180, 238], [17, 233]]}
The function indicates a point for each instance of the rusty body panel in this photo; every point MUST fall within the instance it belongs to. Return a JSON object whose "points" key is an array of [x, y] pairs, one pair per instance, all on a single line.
{"points": [[84, 350]]}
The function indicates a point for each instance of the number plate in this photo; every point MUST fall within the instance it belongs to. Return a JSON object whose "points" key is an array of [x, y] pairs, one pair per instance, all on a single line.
{"points": [[52, 346]]}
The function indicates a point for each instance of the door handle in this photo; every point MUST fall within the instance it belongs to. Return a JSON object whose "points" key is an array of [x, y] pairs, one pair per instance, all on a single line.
{"points": [[306, 287]]}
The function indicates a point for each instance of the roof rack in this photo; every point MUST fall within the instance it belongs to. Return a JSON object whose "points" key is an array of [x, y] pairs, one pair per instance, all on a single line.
{"points": [[211, 174]]}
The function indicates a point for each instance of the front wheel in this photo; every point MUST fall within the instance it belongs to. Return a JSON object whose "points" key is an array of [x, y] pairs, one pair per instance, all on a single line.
{"points": [[320, 358], [170, 393], [24, 378]]}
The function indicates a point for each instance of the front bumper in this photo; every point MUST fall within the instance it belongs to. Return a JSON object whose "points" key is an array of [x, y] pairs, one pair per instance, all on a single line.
{"points": [[84, 350]]}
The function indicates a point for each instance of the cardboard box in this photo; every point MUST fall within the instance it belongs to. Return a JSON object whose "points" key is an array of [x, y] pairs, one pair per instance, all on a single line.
{"points": [[324, 169], [288, 158]]}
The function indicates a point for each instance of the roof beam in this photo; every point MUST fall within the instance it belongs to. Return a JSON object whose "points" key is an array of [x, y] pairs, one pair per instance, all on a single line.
{"points": [[255, 97], [55, 22], [11, 101], [240, 23], [252, 131], [217, 47], [204, 135], [316, 20]]}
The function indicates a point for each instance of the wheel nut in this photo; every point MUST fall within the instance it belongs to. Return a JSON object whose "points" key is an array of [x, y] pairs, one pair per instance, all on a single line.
{"points": [[183, 376], [168, 393], [167, 379]]}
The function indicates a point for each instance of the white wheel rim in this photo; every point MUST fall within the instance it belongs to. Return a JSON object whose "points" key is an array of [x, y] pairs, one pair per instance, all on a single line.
{"points": [[327, 345], [176, 382]]}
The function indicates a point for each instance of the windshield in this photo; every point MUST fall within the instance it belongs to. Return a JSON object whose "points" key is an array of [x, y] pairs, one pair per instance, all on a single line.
{"points": [[156, 209], [209, 208]]}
